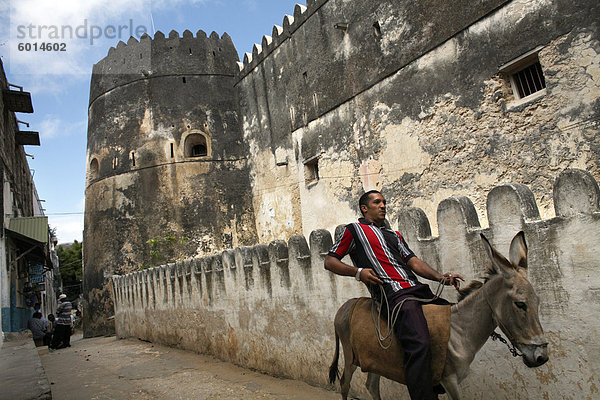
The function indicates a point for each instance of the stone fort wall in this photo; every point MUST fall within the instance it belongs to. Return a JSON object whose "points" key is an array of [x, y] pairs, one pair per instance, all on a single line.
{"points": [[271, 307], [414, 98], [151, 102]]}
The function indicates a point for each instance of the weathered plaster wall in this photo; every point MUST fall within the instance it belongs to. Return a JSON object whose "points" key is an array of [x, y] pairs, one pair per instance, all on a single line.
{"points": [[271, 307], [420, 110], [16, 200], [14, 169], [148, 101], [406, 97]]}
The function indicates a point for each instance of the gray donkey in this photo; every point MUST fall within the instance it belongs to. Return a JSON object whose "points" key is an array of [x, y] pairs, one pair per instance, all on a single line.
{"points": [[505, 299]]}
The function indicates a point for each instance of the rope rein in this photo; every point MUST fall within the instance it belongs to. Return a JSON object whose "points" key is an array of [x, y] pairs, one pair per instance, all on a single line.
{"points": [[385, 341], [496, 336]]}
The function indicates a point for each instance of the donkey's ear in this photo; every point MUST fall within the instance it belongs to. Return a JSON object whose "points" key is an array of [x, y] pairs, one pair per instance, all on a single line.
{"points": [[518, 250], [501, 265]]}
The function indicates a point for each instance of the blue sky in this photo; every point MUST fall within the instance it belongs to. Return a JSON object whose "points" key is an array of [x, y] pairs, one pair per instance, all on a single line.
{"points": [[59, 80]]}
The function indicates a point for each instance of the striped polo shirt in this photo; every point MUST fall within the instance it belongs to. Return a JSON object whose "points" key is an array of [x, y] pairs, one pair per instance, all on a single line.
{"points": [[382, 249], [63, 313]]}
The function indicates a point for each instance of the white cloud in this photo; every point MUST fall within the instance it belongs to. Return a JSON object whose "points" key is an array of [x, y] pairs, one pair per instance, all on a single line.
{"points": [[54, 85], [251, 4], [68, 227], [169, 4], [81, 204], [72, 12], [52, 127], [79, 33], [83, 29], [4, 17], [164, 4]]}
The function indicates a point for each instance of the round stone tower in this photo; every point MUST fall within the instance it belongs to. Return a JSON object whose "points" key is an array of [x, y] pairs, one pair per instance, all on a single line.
{"points": [[165, 158]]}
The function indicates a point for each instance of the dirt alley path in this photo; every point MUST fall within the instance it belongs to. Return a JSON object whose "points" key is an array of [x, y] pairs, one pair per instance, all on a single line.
{"points": [[108, 368]]}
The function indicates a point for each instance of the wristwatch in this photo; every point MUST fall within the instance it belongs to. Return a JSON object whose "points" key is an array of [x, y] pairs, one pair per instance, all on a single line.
{"points": [[357, 276]]}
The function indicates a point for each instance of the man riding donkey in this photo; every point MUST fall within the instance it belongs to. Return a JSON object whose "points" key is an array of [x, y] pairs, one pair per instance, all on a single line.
{"points": [[382, 257]]}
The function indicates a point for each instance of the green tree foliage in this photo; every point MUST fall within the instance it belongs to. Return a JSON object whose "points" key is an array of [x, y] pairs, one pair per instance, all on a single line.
{"points": [[69, 257], [165, 249]]}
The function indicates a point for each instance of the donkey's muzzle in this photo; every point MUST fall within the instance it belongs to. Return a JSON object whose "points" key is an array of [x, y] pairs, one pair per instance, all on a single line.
{"points": [[534, 355]]}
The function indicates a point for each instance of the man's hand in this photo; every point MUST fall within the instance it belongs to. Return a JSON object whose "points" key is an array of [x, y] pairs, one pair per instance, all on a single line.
{"points": [[367, 275], [453, 279]]}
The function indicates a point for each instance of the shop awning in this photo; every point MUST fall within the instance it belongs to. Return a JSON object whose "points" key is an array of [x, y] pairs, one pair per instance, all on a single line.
{"points": [[30, 236], [35, 228]]}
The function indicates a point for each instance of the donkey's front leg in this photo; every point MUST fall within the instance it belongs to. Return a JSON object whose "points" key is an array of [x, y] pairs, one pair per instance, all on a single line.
{"points": [[450, 383], [373, 385]]}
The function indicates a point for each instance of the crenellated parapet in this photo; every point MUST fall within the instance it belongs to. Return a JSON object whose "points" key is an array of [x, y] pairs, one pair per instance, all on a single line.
{"points": [[266, 269], [271, 307], [510, 208], [174, 54], [279, 35]]}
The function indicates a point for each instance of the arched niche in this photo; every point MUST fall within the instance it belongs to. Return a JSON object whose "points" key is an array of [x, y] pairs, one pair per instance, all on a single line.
{"points": [[196, 145], [94, 169]]}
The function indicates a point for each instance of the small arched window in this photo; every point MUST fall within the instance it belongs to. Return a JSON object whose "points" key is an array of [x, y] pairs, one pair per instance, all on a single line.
{"points": [[94, 168], [199, 150], [196, 145]]}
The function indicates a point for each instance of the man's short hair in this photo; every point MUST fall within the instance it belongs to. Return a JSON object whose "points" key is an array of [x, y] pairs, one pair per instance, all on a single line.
{"points": [[37, 315], [364, 199]]}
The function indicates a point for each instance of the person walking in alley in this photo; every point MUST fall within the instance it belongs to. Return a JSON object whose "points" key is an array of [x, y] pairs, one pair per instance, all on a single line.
{"points": [[63, 323]]}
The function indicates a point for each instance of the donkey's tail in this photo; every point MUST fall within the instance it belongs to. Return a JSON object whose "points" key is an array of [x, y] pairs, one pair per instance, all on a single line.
{"points": [[333, 368]]}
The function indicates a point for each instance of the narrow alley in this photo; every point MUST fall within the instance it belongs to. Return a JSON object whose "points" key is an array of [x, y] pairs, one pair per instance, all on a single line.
{"points": [[108, 368]]}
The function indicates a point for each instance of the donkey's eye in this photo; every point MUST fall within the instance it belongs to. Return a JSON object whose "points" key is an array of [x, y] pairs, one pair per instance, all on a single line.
{"points": [[521, 305]]}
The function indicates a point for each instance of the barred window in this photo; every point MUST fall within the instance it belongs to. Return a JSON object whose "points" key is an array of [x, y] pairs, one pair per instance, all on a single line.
{"points": [[529, 80], [525, 75]]}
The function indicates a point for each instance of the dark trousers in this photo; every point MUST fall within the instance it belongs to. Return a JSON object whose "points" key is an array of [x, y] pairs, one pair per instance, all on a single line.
{"points": [[47, 339], [61, 337], [413, 334]]}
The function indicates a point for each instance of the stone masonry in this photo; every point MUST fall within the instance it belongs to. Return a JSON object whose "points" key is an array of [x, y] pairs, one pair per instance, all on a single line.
{"points": [[413, 98], [271, 307]]}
